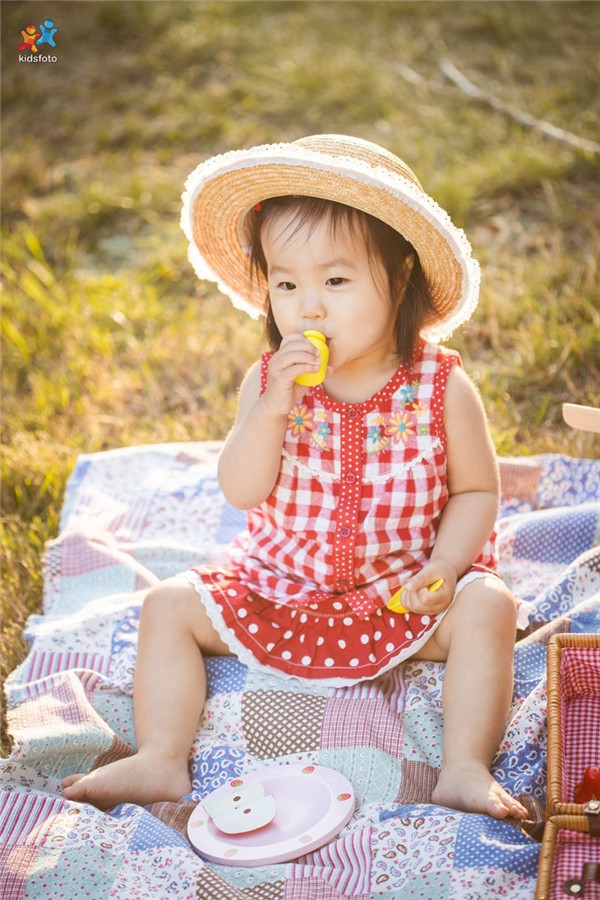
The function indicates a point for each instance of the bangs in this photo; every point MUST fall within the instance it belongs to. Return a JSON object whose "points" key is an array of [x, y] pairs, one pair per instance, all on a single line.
{"points": [[412, 298], [305, 211]]}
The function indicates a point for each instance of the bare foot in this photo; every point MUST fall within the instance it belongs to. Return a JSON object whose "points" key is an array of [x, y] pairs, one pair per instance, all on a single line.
{"points": [[471, 787], [141, 779]]}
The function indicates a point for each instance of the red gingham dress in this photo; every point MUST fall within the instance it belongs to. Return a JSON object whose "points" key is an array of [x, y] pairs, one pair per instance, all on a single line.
{"points": [[353, 514]]}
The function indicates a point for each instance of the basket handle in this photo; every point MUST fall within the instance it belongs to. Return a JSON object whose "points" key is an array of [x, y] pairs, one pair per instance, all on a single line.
{"points": [[576, 888]]}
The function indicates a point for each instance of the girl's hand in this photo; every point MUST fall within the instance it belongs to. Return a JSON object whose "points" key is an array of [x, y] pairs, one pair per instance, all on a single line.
{"points": [[296, 356], [418, 599]]}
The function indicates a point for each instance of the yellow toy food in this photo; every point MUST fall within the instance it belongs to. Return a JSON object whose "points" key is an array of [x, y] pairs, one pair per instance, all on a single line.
{"points": [[308, 379], [395, 605]]}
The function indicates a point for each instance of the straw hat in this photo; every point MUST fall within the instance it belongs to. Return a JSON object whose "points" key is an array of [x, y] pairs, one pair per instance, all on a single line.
{"points": [[221, 193]]}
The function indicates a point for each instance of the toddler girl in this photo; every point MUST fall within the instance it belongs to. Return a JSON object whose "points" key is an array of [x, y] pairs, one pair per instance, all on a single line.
{"points": [[380, 478]]}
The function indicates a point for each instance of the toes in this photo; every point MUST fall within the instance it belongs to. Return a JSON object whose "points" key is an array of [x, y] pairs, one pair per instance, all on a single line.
{"points": [[79, 788], [518, 810], [498, 810], [505, 805], [72, 788], [74, 791], [71, 793], [71, 779]]}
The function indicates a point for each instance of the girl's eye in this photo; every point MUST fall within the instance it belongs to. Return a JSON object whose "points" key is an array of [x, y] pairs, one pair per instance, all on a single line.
{"points": [[334, 282], [286, 285]]}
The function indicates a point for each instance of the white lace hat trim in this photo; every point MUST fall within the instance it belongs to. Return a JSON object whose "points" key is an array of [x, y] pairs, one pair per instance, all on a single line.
{"points": [[222, 191]]}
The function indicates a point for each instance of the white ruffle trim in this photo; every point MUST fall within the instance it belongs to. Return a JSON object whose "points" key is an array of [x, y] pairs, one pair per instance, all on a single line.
{"points": [[246, 656], [398, 468]]}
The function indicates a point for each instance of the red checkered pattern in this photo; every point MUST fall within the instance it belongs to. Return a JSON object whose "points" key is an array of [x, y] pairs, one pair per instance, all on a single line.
{"points": [[353, 514], [361, 488], [361, 723], [572, 850], [17, 863], [580, 715], [59, 698]]}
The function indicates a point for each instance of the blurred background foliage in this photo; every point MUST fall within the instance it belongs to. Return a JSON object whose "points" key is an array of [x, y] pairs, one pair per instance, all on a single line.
{"points": [[108, 337]]}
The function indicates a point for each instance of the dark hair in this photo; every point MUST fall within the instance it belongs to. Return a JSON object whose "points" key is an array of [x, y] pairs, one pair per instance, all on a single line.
{"points": [[382, 241]]}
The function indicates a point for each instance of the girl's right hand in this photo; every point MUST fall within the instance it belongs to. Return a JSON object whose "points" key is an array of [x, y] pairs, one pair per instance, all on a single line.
{"points": [[296, 356]]}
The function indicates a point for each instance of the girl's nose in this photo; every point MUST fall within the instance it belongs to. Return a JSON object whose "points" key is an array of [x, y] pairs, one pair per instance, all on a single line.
{"points": [[311, 305]]}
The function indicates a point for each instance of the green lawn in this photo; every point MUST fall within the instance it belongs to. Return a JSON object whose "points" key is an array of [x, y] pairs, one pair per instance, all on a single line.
{"points": [[109, 339]]}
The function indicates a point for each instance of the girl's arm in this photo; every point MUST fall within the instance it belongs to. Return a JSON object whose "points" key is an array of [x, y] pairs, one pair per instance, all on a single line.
{"points": [[473, 480], [251, 457], [470, 513]]}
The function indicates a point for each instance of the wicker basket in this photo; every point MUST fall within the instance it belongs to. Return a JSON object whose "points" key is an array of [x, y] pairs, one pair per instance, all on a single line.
{"points": [[573, 720], [569, 860]]}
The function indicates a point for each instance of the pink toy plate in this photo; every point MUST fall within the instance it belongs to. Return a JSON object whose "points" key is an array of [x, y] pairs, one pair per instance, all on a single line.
{"points": [[313, 805]]}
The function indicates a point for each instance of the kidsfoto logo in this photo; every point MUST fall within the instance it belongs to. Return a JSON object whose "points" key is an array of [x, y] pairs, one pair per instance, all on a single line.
{"points": [[33, 38]]}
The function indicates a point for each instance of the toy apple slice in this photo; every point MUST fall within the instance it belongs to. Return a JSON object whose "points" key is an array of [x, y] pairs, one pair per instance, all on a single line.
{"points": [[241, 796], [247, 818]]}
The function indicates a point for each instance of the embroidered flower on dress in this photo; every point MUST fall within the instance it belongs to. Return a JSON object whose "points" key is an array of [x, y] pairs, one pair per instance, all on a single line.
{"points": [[401, 425], [319, 437], [418, 408], [376, 434], [300, 419], [408, 392]]}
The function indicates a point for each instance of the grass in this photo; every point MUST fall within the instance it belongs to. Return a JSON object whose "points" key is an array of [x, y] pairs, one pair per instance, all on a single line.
{"points": [[109, 339]]}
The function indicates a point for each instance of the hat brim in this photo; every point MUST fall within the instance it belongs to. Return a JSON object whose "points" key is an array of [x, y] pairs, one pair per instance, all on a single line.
{"points": [[222, 192]]}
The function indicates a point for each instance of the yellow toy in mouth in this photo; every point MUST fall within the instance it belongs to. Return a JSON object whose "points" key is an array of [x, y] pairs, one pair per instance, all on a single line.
{"points": [[308, 379]]}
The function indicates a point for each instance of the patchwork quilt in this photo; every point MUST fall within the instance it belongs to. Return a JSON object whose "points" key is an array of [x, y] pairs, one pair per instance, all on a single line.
{"points": [[134, 516]]}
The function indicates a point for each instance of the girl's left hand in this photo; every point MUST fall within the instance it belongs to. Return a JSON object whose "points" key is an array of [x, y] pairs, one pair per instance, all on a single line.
{"points": [[418, 599]]}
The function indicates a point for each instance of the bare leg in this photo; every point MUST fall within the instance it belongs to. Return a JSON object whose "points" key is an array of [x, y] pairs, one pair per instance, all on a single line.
{"points": [[169, 696], [476, 638]]}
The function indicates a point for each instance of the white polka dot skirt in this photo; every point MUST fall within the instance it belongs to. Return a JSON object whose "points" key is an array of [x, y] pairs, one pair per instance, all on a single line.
{"points": [[317, 641]]}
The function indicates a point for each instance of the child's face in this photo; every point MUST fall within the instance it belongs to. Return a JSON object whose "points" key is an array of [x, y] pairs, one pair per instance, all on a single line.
{"points": [[325, 281]]}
